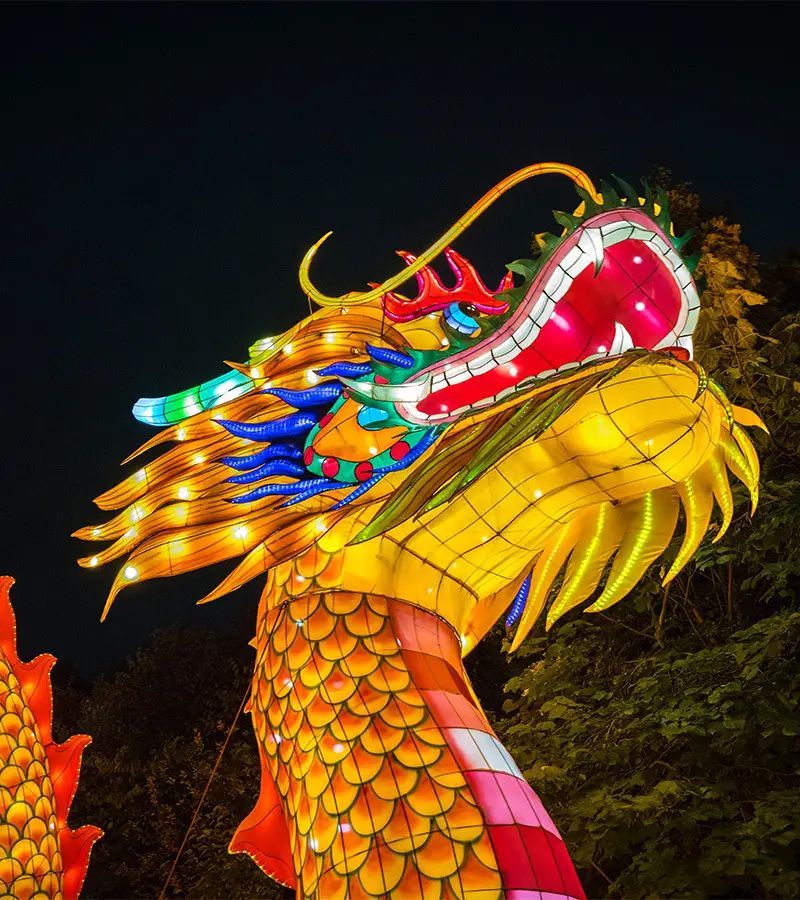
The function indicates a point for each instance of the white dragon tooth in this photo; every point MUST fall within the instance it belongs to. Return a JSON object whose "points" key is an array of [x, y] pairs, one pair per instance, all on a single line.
{"points": [[591, 243], [481, 364], [505, 352], [407, 392], [614, 232], [622, 340]]}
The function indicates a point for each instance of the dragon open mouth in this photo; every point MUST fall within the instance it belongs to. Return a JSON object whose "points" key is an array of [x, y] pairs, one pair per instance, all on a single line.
{"points": [[614, 284]]}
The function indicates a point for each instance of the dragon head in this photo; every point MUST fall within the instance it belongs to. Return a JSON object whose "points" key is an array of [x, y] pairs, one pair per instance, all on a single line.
{"points": [[468, 450]]}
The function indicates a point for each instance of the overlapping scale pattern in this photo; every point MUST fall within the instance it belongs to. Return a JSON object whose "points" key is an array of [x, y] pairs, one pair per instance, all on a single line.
{"points": [[382, 775], [40, 857]]}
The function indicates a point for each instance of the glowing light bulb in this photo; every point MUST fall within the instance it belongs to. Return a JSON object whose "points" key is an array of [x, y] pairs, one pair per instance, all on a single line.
{"points": [[300, 578], [299, 623], [330, 337], [198, 458], [338, 748], [240, 532], [638, 306], [95, 532], [180, 434], [93, 561], [601, 348], [256, 372], [637, 259], [445, 342], [131, 532], [141, 475], [183, 493], [287, 349], [131, 573], [373, 451], [512, 371], [136, 514], [320, 526], [537, 493], [311, 376]]}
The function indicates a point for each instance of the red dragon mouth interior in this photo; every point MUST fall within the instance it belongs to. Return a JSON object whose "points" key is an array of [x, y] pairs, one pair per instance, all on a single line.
{"points": [[614, 284]]}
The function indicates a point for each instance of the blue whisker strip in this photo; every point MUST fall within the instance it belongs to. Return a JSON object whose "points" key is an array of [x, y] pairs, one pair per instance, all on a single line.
{"points": [[275, 467], [298, 423], [425, 442], [390, 357], [252, 460], [311, 492], [349, 370], [361, 489], [316, 396]]}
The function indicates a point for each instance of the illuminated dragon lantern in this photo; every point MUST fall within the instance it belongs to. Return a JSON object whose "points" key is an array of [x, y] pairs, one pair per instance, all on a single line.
{"points": [[40, 855], [405, 471]]}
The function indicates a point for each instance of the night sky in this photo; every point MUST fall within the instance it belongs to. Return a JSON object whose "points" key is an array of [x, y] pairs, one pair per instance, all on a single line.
{"points": [[166, 166]]}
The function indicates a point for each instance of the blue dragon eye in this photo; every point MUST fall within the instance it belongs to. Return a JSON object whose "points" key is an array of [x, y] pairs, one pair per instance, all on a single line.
{"points": [[459, 316]]}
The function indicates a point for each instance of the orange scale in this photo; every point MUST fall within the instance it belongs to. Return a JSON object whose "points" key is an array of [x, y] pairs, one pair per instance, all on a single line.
{"points": [[338, 686], [38, 865], [388, 679], [23, 887], [36, 771], [407, 831], [395, 781], [366, 701], [378, 605], [299, 654], [359, 662], [50, 885], [33, 792], [416, 754], [7, 837], [381, 872], [282, 572], [402, 715], [299, 765], [333, 886], [412, 696], [282, 637], [276, 711], [381, 738], [269, 664], [317, 672], [317, 778], [10, 869], [49, 846], [484, 852], [304, 607], [430, 800], [339, 796], [308, 738], [291, 722], [331, 751], [330, 577], [463, 823], [446, 772], [364, 621], [340, 603], [360, 767], [21, 757], [18, 814], [338, 644], [384, 642], [370, 814], [306, 813], [320, 713], [324, 831], [309, 875], [23, 850], [11, 724], [350, 852], [355, 891], [311, 562], [7, 745], [430, 733], [417, 887], [283, 682], [347, 726], [320, 625], [440, 857]]}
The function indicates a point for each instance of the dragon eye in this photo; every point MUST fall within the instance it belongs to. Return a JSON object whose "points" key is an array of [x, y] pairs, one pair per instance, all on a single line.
{"points": [[461, 317]]}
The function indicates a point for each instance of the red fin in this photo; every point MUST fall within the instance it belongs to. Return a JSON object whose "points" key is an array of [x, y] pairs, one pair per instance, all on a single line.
{"points": [[63, 760], [263, 835]]}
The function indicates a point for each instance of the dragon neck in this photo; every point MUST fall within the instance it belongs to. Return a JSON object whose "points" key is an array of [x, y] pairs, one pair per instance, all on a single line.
{"points": [[381, 775]]}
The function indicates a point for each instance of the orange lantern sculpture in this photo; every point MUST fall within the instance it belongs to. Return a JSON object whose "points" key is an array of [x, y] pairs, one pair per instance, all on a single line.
{"points": [[40, 856], [405, 470]]}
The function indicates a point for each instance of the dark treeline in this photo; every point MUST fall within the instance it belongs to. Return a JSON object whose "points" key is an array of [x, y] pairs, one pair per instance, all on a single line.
{"points": [[662, 736]]}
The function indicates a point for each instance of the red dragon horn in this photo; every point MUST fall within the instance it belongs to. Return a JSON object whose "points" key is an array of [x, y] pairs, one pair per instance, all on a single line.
{"points": [[433, 295]]}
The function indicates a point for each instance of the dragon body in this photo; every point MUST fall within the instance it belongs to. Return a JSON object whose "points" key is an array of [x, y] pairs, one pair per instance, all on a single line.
{"points": [[40, 856], [406, 470]]}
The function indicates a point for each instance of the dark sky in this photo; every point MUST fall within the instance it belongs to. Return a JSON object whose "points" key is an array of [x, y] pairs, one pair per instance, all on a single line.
{"points": [[166, 166]]}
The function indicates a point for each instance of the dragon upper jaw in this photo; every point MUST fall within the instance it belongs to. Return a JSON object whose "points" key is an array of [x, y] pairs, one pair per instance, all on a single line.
{"points": [[614, 284]]}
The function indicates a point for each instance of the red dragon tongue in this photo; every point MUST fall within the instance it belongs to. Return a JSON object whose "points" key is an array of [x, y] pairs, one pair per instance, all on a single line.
{"points": [[39, 854]]}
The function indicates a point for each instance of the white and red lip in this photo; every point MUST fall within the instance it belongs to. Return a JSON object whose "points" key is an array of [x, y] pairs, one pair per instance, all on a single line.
{"points": [[614, 284]]}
